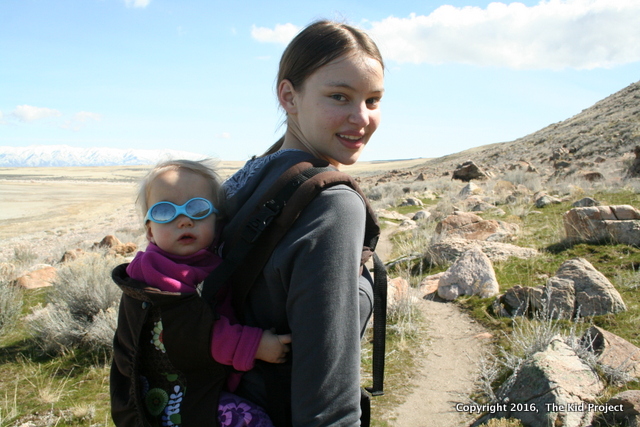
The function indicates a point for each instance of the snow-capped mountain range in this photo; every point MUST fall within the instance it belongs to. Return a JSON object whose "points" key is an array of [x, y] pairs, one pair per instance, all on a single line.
{"points": [[64, 155]]}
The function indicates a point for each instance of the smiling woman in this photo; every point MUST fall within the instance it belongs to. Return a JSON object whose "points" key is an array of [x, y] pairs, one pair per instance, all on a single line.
{"points": [[330, 84]]}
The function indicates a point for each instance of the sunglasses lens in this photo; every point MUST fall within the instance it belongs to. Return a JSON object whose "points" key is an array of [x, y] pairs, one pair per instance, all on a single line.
{"points": [[163, 212], [198, 208]]}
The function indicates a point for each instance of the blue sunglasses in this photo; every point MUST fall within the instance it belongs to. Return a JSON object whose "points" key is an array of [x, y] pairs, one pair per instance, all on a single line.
{"points": [[196, 208]]}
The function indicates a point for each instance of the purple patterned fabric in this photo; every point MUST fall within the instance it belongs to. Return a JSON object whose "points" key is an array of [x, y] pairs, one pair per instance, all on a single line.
{"points": [[234, 411]]}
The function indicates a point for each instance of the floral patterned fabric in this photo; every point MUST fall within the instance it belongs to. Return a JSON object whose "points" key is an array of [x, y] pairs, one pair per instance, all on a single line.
{"points": [[234, 411]]}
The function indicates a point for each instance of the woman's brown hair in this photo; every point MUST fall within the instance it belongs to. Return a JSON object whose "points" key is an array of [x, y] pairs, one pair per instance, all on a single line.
{"points": [[316, 46]]}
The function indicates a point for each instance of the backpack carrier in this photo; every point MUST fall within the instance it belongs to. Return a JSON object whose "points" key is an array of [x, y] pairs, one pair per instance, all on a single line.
{"points": [[247, 252]]}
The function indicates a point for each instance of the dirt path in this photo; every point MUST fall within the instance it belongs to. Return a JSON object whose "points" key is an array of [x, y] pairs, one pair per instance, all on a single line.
{"points": [[447, 373]]}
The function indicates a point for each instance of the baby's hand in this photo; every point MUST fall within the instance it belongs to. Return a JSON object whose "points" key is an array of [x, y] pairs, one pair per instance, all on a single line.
{"points": [[273, 348]]}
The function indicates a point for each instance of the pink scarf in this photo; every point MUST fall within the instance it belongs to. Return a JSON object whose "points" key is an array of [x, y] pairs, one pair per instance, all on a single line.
{"points": [[172, 273]]}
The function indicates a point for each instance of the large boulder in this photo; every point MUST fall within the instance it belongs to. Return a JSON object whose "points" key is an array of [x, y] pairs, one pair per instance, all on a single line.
{"points": [[576, 289], [553, 388], [468, 171], [471, 274], [592, 293], [447, 251], [40, 278], [613, 352], [470, 226], [619, 224]]}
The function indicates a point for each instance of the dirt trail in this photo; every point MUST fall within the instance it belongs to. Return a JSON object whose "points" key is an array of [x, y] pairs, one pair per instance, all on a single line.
{"points": [[447, 373]]}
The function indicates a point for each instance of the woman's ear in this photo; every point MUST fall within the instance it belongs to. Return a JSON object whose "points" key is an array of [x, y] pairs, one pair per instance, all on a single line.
{"points": [[287, 96]]}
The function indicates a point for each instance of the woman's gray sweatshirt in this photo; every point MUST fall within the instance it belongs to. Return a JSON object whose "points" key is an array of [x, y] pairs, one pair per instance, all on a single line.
{"points": [[311, 288]]}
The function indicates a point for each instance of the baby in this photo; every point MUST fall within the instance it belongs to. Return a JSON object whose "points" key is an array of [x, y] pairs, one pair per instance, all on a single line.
{"points": [[178, 199]]}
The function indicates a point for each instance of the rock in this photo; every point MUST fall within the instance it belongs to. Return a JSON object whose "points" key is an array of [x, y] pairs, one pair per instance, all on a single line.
{"points": [[619, 224], [123, 249], [560, 298], [469, 190], [429, 284], [109, 241], [421, 215], [594, 293], [613, 351], [420, 177], [586, 202], [470, 226], [408, 224], [593, 176], [468, 171], [72, 255], [562, 164], [634, 170], [471, 274], [553, 388], [626, 409], [482, 206], [397, 290], [412, 201], [384, 213], [40, 278], [546, 200], [519, 301], [523, 165], [447, 251]]}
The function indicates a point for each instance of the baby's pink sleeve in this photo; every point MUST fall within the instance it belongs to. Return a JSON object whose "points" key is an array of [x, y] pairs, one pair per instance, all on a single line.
{"points": [[235, 345]]}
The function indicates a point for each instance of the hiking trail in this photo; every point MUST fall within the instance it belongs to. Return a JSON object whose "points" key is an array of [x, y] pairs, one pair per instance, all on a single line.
{"points": [[446, 375]]}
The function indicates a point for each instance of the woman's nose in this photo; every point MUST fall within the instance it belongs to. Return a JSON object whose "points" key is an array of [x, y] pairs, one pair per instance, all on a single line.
{"points": [[360, 115]]}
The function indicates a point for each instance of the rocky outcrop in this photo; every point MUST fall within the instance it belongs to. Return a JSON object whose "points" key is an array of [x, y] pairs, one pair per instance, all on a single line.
{"points": [[39, 278], [619, 224], [470, 226], [590, 291], [471, 274], [447, 251], [576, 289], [553, 388], [468, 171], [613, 352]]}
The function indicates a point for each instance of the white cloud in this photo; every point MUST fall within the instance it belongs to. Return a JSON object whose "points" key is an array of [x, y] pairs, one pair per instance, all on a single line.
{"points": [[29, 113], [224, 135], [137, 3], [282, 33], [554, 34]]}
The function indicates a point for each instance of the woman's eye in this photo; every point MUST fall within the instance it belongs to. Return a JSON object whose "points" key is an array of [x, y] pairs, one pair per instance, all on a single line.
{"points": [[373, 101], [338, 97]]}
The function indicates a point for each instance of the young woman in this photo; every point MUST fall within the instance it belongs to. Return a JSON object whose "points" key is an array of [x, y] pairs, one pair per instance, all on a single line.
{"points": [[330, 84]]}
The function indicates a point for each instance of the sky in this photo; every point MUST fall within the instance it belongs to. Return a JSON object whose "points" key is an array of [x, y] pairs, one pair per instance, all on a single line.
{"points": [[199, 75]]}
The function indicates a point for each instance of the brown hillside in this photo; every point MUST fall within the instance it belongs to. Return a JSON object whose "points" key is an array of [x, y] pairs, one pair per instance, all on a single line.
{"points": [[597, 137]]}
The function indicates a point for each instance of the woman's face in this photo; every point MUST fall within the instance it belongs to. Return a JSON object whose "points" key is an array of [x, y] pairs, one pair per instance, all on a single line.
{"points": [[337, 109]]}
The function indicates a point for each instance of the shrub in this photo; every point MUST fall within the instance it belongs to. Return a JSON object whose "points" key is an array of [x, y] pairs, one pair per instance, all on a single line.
{"points": [[81, 309], [10, 306]]}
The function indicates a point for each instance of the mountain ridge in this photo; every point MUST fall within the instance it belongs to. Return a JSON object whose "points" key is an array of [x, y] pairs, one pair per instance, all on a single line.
{"points": [[65, 155]]}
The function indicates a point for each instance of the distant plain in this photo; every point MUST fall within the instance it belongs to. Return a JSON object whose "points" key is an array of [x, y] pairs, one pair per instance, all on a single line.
{"points": [[63, 207]]}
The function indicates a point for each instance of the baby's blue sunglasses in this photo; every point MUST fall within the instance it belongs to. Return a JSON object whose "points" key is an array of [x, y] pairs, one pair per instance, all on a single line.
{"points": [[196, 208]]}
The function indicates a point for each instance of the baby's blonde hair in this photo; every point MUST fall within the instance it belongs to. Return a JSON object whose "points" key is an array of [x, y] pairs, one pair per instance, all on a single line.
{"points": [[205, 168]]}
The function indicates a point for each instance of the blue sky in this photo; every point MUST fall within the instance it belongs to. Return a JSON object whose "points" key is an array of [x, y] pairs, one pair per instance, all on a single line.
{"points": [[198, 75]]}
